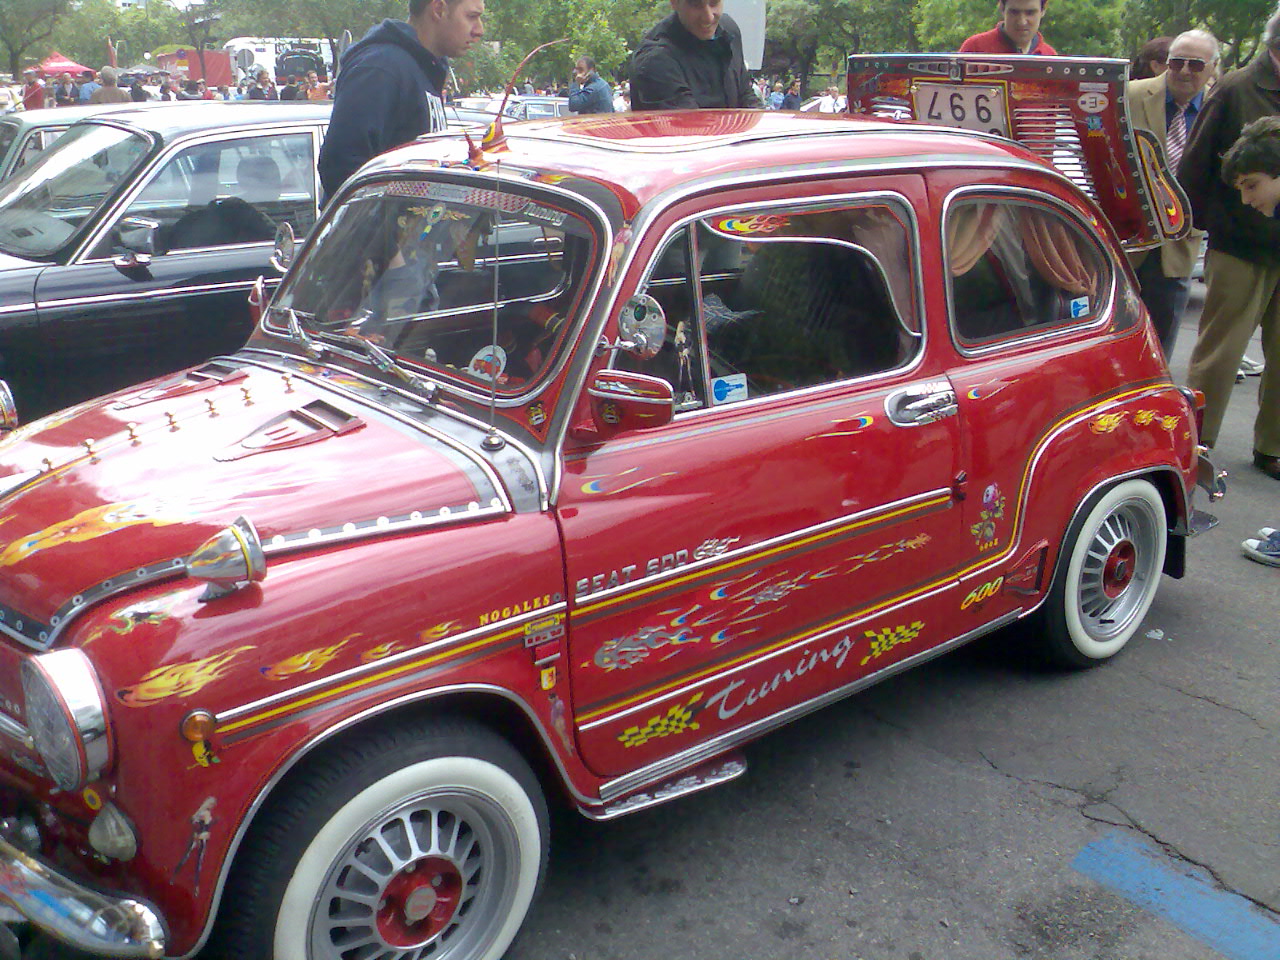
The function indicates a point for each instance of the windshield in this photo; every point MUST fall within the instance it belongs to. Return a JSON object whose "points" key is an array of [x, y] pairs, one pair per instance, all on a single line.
{"points": [[42, 208], [425, 270]]}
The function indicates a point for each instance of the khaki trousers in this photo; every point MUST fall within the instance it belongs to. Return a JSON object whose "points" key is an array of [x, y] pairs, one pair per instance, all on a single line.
{"points": [[1241, 296]]}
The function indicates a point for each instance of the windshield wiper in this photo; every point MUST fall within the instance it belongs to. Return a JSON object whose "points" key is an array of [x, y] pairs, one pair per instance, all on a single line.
{"points": [[314, 348], [386, 363]]}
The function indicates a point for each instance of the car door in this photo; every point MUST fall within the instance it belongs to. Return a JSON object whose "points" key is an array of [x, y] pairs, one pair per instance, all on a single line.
{"points": [[1030, 289], [207, 210], [791, 531]]}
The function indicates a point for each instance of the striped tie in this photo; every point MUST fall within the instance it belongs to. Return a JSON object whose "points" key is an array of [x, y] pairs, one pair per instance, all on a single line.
{"points": [[1176, 141]]}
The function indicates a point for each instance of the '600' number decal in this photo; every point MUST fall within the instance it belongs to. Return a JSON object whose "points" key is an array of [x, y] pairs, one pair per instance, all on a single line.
{"points": [[984, 592]]}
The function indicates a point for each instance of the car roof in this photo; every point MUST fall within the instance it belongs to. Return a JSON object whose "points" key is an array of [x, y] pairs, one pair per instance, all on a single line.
{"points": [[633, 154], [184, 117], [65, 116]]}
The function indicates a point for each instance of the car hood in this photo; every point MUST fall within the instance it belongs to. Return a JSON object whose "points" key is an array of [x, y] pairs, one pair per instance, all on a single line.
{"points": [[116, 485]]}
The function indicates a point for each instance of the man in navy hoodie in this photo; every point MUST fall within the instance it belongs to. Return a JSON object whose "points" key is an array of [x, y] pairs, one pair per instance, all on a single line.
{"points": [[389, 88]]}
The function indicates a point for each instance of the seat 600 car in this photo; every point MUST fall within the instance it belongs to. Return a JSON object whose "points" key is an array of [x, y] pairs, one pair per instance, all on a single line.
{"points": [[559, 469]]}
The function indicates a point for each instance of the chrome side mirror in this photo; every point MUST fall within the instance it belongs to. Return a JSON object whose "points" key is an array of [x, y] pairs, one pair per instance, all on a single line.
{"points": [[138, 242], [642, 327], [8, 409], [286, 245]]}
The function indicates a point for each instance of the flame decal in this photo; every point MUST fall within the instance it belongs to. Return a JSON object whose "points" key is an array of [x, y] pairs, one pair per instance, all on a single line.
{"points": [[88, 525], [308, 662], [178, 679]]}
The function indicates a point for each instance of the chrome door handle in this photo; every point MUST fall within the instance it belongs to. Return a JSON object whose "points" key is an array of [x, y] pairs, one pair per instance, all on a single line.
{"points": [[921, 403]]}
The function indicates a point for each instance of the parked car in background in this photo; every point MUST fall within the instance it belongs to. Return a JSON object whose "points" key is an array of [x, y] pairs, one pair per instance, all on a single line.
{"points": [[129, 248], [25, 135], [530, 107], [556, 473]]}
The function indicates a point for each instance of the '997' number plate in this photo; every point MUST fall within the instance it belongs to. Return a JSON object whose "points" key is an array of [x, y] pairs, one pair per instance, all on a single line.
{"points": [[964, 105]]}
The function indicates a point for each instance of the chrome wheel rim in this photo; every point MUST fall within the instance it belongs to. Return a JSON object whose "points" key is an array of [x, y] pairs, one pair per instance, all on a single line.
{"points": [[429, 879], [1118, 571]]}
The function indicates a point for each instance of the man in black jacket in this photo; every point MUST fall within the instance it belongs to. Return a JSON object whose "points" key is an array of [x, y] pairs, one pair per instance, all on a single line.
{"points": [[691, 59], [389, 88]]}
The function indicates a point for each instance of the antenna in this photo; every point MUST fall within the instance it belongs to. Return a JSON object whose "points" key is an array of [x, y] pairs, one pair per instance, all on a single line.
{"points": [[494, 138], [492, 439]]}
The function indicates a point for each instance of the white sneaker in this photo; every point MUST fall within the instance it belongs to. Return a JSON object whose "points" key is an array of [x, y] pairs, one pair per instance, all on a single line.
{"points": [[1250, 367], [1263, 551]]}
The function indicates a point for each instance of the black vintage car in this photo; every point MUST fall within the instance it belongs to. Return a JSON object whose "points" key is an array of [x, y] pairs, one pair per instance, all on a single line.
{"points": [[128, 250]]}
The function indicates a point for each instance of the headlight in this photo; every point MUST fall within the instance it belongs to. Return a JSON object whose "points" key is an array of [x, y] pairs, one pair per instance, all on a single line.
{"points": [[67, 717]]}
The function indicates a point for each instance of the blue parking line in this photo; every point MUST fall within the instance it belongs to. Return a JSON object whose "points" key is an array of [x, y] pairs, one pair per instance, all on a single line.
{"points": [[1183, 895]]}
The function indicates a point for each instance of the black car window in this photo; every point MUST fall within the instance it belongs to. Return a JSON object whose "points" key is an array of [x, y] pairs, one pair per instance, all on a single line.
{"points": [[224, 192], [1019, 267], [759, 303]]}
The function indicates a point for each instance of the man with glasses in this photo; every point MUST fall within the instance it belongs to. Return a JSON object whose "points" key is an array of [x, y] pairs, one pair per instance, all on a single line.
{"points": [[1243, 267], [1168, 105]]}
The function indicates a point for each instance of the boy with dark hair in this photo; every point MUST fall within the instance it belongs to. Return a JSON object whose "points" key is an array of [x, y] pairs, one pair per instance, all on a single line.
{"points": [[1252, 166]]}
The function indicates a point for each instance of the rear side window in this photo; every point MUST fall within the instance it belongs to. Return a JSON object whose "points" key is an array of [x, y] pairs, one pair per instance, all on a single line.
{"points": [[1019, 267]]}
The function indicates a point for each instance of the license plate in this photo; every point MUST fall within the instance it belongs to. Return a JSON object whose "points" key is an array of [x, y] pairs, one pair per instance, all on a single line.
{"points": [[965, 105]]}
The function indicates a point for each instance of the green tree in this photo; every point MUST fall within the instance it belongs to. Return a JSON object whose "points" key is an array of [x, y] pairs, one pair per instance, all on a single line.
{"points": [[25, 28], [1236, 23], [1077, 28], [805, 37], [593, 33], [82, 34]]}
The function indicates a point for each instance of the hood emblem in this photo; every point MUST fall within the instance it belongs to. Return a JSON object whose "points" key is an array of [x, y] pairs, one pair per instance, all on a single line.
{"points": [[311, 423]]}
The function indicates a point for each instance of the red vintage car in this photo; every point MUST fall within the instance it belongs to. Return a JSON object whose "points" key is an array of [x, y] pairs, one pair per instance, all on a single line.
{"points": [[560, 467]]}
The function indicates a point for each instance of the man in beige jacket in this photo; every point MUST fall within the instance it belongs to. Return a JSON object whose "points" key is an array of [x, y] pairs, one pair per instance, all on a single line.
{"points": [[1168, 105]]}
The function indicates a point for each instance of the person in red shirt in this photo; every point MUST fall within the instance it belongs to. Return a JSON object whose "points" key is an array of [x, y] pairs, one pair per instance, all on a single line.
{"points": [[32, 91], [1017, 32]]}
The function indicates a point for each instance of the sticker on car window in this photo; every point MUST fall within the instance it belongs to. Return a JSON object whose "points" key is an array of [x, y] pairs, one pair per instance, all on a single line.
{"points": [[489, 362], [729, 389], [1079, 307]]}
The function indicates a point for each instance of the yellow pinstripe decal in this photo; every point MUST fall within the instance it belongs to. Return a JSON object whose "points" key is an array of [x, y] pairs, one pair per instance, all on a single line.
{"points": [[293, 705]]}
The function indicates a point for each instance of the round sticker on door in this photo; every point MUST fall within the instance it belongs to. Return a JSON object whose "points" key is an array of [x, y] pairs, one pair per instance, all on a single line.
{"points": [[489, 362], [1093, 102]]}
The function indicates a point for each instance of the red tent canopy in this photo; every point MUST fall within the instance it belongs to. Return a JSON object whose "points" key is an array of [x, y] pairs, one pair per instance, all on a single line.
{"points": [[56, 63]]}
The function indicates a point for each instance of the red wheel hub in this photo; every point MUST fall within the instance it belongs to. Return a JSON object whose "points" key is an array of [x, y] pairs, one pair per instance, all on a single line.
{"points": [[1119, 568], [419, 902]]}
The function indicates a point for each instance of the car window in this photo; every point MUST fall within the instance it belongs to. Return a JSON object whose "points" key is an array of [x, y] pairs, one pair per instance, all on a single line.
{"points": [[224, 192], [469, 283], [37, 143], [1018, 267], [62, 191], [759, 303]]}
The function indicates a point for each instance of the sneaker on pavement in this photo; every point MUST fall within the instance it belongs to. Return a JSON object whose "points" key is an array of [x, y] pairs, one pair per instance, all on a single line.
{"points": [[1263, 551], [1250, 367], [1267, 533]]}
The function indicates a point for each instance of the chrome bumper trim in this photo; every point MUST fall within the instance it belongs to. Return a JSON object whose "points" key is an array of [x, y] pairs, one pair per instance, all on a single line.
{"points": [[83, 918]]}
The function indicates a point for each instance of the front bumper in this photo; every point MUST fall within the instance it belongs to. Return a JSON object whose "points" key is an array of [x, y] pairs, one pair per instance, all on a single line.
{"points": [[83, 918]]}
